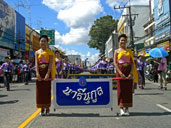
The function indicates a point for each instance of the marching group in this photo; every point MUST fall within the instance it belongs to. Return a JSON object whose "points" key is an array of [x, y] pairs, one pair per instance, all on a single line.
{"points": [[13, 72], [50, 65], [103, 66], [24, 71]]}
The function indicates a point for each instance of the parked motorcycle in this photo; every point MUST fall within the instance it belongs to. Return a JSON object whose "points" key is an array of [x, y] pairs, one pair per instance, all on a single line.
{"points": [[168, 76], [149, 75]]}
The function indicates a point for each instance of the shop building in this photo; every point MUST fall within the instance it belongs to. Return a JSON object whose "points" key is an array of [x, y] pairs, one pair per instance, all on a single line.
{"points": [[162, 21], [32, 42], [12, 29], [7, 29]]}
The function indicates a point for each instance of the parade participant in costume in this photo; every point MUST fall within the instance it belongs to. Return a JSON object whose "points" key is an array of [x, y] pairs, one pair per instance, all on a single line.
{"points": [[103, 65], [110, 67], [59, 64], [45, 72], [25, 70], [14, 78], [65, 68], [125, 67], [20, 73], [140, 67], [7, 69]]}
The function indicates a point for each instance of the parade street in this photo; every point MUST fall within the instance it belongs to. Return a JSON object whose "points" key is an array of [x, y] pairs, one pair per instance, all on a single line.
{"points": [[151, 109]]}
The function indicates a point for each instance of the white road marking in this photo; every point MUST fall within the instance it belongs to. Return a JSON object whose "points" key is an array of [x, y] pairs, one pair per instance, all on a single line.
{"points": [[163, 107]]}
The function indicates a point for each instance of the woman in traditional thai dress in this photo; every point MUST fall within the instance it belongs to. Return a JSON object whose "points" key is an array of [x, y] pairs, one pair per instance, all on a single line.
{"points": [[59, 65], [125, 67], [140, 67], [45, 72]]}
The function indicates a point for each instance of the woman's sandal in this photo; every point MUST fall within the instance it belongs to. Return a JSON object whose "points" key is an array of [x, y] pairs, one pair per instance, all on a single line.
{"points": [[42, 112], [48, 112]]}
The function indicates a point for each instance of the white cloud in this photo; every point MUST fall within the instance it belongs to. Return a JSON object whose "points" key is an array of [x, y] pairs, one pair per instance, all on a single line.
{"points": [[58, 4], [75, 36], [92, 59], [58, 37], [78, 15], [37, 30], [113, 3], [81, 13], [88, 54], [59, 47], [72, 52]]}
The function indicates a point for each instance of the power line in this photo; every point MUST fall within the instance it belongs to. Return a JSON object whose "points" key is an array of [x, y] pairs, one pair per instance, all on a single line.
{"points": [[131, 24], [26, 5], [155, 30]]}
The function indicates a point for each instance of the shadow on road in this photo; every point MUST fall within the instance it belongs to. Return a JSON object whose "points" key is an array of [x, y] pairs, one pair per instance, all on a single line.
{"points": [[20, 90], [9, 102], [149, 94], [3, 96], [150, 114], [81, 115]]}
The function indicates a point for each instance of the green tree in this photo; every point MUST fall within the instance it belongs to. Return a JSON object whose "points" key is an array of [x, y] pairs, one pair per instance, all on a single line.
{"points": [[100, 32]]}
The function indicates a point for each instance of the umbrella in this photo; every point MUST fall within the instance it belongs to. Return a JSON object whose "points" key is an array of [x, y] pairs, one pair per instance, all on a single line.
{"points": [[158, 52]]}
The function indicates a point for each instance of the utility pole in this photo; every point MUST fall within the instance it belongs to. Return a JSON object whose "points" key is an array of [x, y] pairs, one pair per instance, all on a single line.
{"points": [[130, 24], [26, 5]]}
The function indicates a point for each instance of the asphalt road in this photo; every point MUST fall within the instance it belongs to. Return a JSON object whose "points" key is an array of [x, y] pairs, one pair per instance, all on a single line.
{"points": [[151, 109]]}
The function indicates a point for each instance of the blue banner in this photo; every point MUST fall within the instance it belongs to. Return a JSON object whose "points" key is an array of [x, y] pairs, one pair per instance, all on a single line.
{"points": [[82, 93]]}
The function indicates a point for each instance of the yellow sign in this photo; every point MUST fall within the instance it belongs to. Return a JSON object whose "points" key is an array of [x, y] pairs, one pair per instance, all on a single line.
{"points": [[164, 45], [147, 54], [141, 53]]}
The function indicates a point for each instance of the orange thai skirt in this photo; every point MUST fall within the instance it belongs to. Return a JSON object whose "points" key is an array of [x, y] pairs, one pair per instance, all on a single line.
{"points": [[43, 89], [124, 87]]}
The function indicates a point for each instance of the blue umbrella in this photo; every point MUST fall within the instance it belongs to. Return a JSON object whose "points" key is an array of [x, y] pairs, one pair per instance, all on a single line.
{"points": [[158, 52]]}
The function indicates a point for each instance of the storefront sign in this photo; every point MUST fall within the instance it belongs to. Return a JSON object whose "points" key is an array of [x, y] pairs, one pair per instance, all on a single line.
{"points": [[164, 45], [82, 93], [4, 52], [141, 53], [162, 36], [160, 7], [161, 19]]}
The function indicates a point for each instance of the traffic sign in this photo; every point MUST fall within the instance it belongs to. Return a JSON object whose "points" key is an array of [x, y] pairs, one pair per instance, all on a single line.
{"points": [[50, 34]]}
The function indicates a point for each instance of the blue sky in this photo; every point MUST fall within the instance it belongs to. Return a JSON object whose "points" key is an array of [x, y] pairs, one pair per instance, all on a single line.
{"points": [[71, 20]]}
